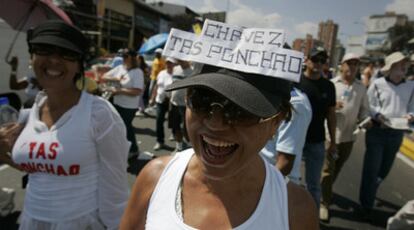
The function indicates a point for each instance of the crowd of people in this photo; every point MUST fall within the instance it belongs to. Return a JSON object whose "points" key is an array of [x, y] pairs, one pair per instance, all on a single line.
{"points": [[241, 137]]}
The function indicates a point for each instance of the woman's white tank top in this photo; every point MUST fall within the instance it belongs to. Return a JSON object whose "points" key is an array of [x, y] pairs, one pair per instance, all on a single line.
{"points": [[271, 211]]}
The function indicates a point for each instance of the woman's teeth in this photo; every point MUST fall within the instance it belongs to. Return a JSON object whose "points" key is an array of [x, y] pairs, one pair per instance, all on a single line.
{"points": [[53, 73], [218, 143]]}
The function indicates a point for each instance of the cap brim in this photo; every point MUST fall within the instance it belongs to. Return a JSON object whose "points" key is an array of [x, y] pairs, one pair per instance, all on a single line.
{"points": [[56, 41], [319, 53], [258, 102]]}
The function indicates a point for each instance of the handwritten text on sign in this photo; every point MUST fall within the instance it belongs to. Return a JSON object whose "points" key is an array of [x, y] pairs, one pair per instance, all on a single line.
{"points": [[250, 52]]}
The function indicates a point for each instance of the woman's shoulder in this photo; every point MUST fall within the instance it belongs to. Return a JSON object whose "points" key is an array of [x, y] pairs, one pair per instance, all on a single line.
{"points": [[136, 210], [99, 104], [302, 208], [103, 113], [153, 169], [136, 71]]}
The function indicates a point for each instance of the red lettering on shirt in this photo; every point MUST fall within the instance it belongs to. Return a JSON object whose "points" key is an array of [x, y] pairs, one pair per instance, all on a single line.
{"points": [[24, 166], [41, 151], [74, 169], [32, 146], [39, 167], [52, 148], [49, 168], [61, 171], [32, 167]]}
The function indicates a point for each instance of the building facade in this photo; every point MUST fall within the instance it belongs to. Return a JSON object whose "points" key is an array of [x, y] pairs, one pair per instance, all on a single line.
{"points": [[305, 45], [381, 36], [327, 33]]}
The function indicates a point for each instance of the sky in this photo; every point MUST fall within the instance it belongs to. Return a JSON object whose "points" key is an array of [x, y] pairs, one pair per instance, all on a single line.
{"points": [[299, 17]]}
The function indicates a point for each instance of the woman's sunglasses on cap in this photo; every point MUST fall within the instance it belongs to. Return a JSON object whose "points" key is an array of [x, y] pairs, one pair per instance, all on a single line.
{"points": [[204, 102], [47, 50]]}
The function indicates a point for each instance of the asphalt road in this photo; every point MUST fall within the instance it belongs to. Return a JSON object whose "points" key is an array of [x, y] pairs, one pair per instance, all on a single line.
{"points": [[397, 188]]}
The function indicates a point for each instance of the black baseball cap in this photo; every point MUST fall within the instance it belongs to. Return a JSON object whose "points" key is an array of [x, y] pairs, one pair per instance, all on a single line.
{"points": [[260, 95], [318, 51], [60, 34]]}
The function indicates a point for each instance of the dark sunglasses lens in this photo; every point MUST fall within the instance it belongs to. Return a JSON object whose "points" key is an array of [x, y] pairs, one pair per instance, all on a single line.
{"points": [[70, 55], [46, 50], [198, 100], [202, 101], [238, 116], [42, 50], [320, 60]]}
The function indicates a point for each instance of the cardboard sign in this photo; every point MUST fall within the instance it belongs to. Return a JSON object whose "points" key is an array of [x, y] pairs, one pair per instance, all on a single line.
{"points": [[253, 50]]}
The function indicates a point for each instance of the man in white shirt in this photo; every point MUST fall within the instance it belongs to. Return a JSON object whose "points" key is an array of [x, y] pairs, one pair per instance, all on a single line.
{"points": [[390, 98], [351, 107], [176, 115], [285, 149], [162, 99]]}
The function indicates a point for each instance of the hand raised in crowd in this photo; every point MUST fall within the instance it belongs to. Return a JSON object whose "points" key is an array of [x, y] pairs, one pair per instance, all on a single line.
{"points": [[14, 62], [8, 135]]}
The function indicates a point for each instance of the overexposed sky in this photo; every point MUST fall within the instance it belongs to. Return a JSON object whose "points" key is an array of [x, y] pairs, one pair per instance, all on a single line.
{"points": [[298, 17]]}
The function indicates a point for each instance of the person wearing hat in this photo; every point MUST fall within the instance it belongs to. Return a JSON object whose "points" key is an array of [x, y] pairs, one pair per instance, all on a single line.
{"points": [[351, 108], [321, 94], [390, 98], [284, 150], [161, 99], [176, 113], [157, 65], [130, 85], [223, 182], [73, 145]]}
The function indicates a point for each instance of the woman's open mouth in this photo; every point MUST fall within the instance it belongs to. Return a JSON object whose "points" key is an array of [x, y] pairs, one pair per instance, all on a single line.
{"points": [[50, 73], [217, 151]]}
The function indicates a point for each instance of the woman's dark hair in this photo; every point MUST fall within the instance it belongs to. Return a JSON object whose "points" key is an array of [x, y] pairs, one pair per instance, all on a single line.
{"points": [[81, 73], [133, 54], [143, 65], [287, 108], [134, 62]]}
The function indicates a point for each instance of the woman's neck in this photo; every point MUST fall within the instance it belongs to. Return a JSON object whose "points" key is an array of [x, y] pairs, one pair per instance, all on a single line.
{"points": [[62, 100], [255, 168], [395, 78]]}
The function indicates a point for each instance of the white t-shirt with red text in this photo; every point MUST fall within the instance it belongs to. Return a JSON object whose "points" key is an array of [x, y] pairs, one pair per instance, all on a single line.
{"points": [[76, 167]]}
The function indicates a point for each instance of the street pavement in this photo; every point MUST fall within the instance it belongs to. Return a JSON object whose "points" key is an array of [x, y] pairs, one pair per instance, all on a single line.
{"points": [[397, 188]]}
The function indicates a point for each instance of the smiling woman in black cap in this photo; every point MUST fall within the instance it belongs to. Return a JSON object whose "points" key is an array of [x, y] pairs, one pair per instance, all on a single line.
{"points": [[73, 145], [222, 182]]}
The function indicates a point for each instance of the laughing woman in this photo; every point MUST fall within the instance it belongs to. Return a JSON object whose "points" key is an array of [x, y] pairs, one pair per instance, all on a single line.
{"points": [[73, 145], [223, 183]]}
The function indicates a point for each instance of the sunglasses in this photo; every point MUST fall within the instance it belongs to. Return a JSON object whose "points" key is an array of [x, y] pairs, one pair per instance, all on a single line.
{"points": [[317, 59], [47, 50], [205, 103]]}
